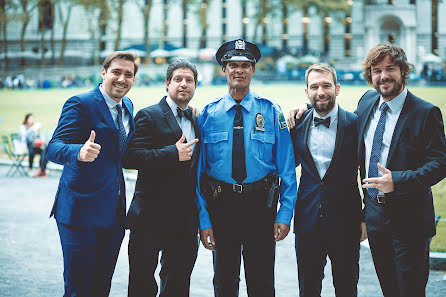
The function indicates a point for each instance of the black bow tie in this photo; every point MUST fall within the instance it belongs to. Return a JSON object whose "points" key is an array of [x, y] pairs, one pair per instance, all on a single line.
{"points": [[187, 113], [325, 122]]}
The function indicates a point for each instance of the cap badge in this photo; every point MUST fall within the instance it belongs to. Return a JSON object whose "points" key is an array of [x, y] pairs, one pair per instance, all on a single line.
{"points": [[240, 45]]}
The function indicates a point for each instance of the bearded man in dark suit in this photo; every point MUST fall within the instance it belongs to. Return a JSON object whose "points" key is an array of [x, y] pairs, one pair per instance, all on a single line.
{"points": [[163, 216]]}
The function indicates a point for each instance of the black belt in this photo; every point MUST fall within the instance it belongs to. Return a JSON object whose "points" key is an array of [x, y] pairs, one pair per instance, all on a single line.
{"points": [[261, 184]]}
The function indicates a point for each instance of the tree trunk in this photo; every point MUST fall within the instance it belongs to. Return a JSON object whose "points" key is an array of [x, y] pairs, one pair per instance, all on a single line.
{"points": [[326, 30], [244, 19], [146, 13], [265, 10], [435, 27], [165, 20], [53, 50], [184, 11], [284, 25], [306, 25], [224, 22], [22, 35], [42, 46], [120, 15], [64, 32], [4, 24], [204, 23]]}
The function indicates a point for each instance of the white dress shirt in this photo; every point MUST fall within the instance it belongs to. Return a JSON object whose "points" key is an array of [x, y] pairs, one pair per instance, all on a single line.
{"points": [[322, 140], [393, 113], [114, 112], [185, 125]]}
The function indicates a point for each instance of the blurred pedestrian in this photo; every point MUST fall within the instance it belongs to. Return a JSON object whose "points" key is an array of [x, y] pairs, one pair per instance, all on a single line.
{"points": [[30, 133]]}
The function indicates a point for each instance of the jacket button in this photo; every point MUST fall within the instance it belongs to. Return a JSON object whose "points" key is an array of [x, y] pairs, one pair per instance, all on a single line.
{"points": [[117, 180]]}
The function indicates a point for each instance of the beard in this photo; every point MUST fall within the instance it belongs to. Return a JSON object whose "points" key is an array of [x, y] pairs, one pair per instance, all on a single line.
{"points": [[325, 107], [390, 93]]}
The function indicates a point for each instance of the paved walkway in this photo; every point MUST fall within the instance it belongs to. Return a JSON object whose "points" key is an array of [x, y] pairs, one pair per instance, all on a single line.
{"points": [[31, 258]]}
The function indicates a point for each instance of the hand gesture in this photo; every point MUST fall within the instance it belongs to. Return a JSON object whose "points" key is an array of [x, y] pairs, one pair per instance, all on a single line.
{"points": [[195, 110], [207, 238], [383, 183], [90, 150], [280, 231], [296, 113], [184, 150]]}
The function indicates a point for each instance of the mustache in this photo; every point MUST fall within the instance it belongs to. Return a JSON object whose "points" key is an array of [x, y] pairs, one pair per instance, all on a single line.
{"points": [[386, 80]]}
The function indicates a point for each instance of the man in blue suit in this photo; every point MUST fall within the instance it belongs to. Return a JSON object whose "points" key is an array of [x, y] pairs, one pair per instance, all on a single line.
{"points": [[90, 139], [327, 215]]}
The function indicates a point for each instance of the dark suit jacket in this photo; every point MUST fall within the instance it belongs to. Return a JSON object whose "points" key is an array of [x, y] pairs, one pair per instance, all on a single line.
{"points": [[417, 159], [88, 192], [164, 200], [336, 196]]}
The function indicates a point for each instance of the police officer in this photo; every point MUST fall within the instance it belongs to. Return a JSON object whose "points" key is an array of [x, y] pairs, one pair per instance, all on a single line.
{"points": [[246, 148]]}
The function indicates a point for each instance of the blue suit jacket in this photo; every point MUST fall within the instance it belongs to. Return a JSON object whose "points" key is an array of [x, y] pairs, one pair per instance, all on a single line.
{"points": [[88, 193], [417, 159], [335, 196]]}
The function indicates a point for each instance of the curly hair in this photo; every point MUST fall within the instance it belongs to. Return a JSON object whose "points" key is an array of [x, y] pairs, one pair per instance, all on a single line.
{"points": [[379, 53]]}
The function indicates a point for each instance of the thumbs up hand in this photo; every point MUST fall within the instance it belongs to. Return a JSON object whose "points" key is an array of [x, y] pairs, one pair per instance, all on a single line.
{"points": [[90, 150], [184, 150]]}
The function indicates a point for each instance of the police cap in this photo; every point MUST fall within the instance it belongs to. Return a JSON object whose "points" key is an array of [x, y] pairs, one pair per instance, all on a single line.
{"points": [[238, 50]]}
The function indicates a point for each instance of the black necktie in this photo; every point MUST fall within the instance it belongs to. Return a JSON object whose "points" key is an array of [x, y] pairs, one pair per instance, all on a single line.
{"points": [[238, 147], [187, 113], [325, 122]]}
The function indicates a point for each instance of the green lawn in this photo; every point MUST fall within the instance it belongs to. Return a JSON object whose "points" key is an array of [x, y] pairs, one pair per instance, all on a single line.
{"points": [[47, 105]]}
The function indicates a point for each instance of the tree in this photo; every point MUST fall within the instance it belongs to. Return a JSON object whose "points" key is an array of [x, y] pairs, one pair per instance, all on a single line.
{"points": [[265, 8], [96, 10], [5, 5], [120, 11], [64, 6], [163, 39], [27, 7], [245, 19], [434, 30], [323, 9], [202, 14], [145, 6]]}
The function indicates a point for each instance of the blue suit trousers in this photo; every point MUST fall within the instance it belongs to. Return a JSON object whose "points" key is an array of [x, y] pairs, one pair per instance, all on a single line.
{"points": [[90, 255]]}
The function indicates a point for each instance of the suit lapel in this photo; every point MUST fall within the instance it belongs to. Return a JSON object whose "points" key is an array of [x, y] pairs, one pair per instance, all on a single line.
{"points": [[339, 139], [363, 123], [170, 118], [306, 124], [402, 119], [197, 146], [106, 114]]}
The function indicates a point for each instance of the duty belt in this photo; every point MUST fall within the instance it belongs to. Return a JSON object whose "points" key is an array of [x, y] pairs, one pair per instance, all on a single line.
{"points": [[261, 184]]}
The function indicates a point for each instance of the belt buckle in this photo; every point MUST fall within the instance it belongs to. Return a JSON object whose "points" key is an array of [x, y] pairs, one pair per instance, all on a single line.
{"points": [[236, 188], [381, 199]]}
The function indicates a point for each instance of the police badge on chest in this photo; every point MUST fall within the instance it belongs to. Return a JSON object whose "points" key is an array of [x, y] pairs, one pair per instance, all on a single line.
{"points": [[260, 123]]}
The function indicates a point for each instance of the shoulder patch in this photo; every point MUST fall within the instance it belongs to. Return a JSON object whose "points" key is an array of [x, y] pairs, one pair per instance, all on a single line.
{"points": [[282, 121]]}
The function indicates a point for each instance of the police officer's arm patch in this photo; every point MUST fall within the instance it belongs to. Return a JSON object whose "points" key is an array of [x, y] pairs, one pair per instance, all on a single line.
{"points": [[282, 121]]}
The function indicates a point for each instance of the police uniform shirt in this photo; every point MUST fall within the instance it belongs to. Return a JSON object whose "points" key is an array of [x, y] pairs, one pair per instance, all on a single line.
{"points": [[321, 141], [266, 151], [393, 113], [185, 125], [112, 107]]}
